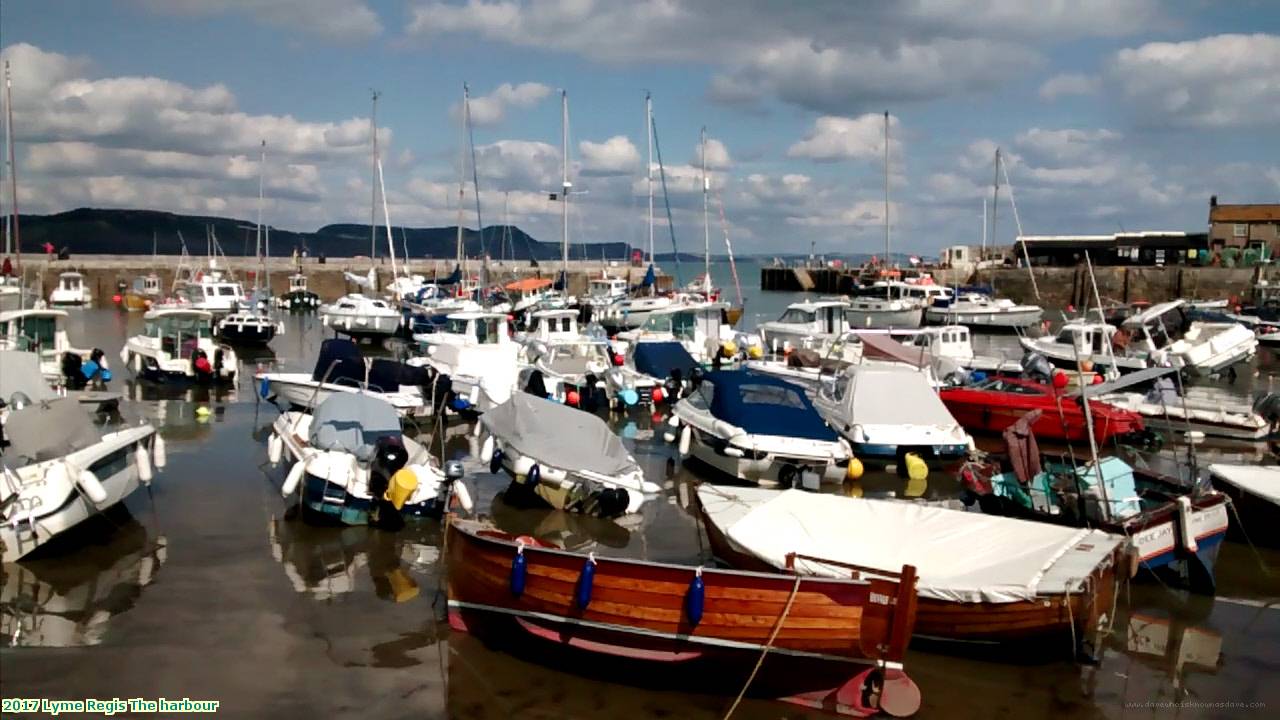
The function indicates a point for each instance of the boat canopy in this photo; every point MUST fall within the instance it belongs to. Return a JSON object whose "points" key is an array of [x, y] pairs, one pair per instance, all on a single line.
{"points": [[46, 430], [20, 373], [528, 285], [347, 362], [558, 435], [658, 359], [960, 556], [353, 423], [763, 405], [1259, 480], [888, 394]]}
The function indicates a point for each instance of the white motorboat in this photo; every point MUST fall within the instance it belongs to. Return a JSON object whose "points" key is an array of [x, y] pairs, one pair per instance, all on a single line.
{"points": [[1163, 408], [582, 372], [59, 469], [177, 344], [248, 328], [631, 313], [71, 290], [760, 429], [568, 459], [478, 355], [891, 304], [604, 292], [1255, 494], [811, 325], [210, 291], [980, 310], [299, 296], [341, 368], [556, 326], [43, 332], [955, 343], [468, 327], [702, 328], [350, 463], [1081, 340], [886, 410], [359, 316]]}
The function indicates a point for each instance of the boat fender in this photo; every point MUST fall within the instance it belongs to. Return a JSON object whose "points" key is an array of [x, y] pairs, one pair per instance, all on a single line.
{"points": [[695, 598], [686, 437], [809, 479], [917, 468], [124, 355], [461, 492], [534, 476], [521, 464], [582, 593], [732, 451], [669, 436], [853, 471], [294, 478], [674, 421], [495, 460], [487, 449], [554, 474], [519, 571], [264, 388], [159, 454], [629, 397], [275, 448], [1184, 524], [142, 458], [90, 484]]}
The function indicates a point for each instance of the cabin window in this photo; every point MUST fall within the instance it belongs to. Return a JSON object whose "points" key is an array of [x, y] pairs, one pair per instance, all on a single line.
{"points": [[1095, 342], [962, 336], [456, 326], [683, 326], [226, 290], [346, 306], [209, 292], [771, 395], [39, 332], [797, 316], [1065, 336], [564, 324]]}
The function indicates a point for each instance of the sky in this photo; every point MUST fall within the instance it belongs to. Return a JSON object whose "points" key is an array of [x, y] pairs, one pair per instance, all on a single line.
{"points": [[1110, 114]]}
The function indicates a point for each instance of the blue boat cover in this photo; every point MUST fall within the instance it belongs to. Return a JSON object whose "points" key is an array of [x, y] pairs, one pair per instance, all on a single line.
{"points": [[764, 405], [345, 359], [658, 359]]}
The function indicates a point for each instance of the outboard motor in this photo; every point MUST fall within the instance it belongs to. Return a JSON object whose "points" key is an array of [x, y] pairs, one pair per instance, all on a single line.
{"points": [[592, 396], [1036, 367], [389, 456], [695, 378], [71, 373], [674, 386], [1268, 406], [535, 385]]}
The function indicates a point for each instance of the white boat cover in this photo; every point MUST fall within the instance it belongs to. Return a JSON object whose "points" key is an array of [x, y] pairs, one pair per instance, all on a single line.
{"points": [[353, 422], [558, 435], [888, 394], [47, 430], [959, 556], [1260, 480], [20, 372]]}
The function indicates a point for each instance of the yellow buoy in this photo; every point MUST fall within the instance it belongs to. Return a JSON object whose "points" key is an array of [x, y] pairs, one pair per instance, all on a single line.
{"points": [[854, 469], [402, 485], [203, 411], [917, 469], [755, 352], [729, 348]]}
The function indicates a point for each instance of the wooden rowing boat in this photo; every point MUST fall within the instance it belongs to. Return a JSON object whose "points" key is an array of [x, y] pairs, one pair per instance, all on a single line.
{"points": [[835, 644]]}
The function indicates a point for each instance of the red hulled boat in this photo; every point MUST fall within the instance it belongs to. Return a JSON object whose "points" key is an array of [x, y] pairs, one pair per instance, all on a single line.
{"points": [[995, 404]]}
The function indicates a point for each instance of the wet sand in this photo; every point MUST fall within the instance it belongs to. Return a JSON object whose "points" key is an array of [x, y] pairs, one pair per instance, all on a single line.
{"points": [[208, 588]]}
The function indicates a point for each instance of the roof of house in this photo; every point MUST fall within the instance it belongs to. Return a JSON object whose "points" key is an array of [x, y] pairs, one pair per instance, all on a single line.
{"points": [[1245, 213]]}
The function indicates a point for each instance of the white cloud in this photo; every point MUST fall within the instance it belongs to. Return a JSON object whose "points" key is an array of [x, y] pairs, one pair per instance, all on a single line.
{"points": [[1067, 144], [717, 155], [340, 20], [1065, 84], [1214, 82], [615, 156], [491, 109], [519, 165], [841, 138]]}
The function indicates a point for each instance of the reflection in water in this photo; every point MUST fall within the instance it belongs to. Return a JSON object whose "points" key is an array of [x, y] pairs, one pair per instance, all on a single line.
{"points": [[571, 531], [52, 602]]}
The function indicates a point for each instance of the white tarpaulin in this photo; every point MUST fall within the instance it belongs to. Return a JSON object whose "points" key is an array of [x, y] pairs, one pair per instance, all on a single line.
{"points": [[1260, 480], [959, 556], [558, 435]]}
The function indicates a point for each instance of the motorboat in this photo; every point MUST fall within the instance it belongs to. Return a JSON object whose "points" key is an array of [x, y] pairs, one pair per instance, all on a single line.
{"points": [[892, 304], [550, 326], [760, 429], [887, 410], [469, 327], [667, 365], [567, 459], [15, 296], [702, 328], [954, 343], [361, 317], [994, 404], [582, 372], [981, 578], [44, 332], [981, 310], [826, 638], [810, 325], [250, 327], [427, 310], [299, 296], [1082, 341], [604, 292], [340, 368], [177, 345], [633, 312], [211, 291], [476, 352], [351, 464], [1163, 407], [1255, 493], [1171, 527], [527, 294], [71, 290], [57, 468], [144, 292]]}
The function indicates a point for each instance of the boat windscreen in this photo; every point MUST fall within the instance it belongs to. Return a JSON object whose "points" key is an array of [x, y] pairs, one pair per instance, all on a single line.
{"points": [[765, 405]]}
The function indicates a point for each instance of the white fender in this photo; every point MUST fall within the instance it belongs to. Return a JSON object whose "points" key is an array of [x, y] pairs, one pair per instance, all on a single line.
{"points": [[143, 460], [158, 453], [1185, 529], [669, 436], [275, 448], [464, 496], [475, 431], [674, 420], [634, 501], [554, 474], [520, 464], [486, 449], [294, 478], [686, 437], [137, 364], [90, 484], [124, 355]]}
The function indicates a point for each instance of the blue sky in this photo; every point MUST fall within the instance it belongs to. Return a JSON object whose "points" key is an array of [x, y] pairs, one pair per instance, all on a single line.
{"points": [[1112, 114]]}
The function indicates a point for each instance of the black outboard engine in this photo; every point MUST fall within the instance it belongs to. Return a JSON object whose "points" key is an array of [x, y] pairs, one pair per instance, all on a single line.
{"points": [[536, 385], [389, 456], [1037, 367], [592, 396], [71, 373], [674, 386], [1268, 406]]}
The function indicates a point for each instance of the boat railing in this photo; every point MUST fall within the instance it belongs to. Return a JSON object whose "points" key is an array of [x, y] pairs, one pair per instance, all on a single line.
{"points": [[907, 571]]}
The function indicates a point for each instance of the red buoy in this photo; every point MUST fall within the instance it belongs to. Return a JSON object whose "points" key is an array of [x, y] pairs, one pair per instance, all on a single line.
{"points": [[658, 395]]}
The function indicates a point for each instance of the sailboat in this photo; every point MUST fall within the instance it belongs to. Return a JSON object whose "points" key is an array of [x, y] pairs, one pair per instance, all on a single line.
{"points": [[13, 296], [252, 325]]}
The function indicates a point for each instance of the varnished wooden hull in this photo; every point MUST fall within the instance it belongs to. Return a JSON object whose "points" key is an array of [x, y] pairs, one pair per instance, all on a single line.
{"points": [[833, 633]]}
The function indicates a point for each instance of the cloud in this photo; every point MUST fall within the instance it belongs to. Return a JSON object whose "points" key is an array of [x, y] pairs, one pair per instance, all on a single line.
{"points": [[841, 138], [1067, 144], [1065, 84], [491, 109], [1222, 81], [340, 20], [615, 156], [717, 155]]}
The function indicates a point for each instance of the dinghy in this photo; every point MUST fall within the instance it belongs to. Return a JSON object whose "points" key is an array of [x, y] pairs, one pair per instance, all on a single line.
{"points": [[58, 469], [361, 317], [1255, 492], [568, 459], [341, 368], [981, 578], [177, 345], [827, 639], [351, 464], [758, 428]]}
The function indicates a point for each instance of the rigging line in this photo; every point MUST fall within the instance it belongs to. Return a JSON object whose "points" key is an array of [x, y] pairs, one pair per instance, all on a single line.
{"points": [[666, 198], [733, 266]]}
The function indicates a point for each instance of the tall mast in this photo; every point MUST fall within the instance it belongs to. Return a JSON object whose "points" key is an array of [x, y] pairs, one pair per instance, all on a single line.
{"points": [[886, 188], [462, 183], [475, 170], [262, 167], [648, 132], [706, 222], [373, 186], [13, 170], [564, 186], [995, 197]]}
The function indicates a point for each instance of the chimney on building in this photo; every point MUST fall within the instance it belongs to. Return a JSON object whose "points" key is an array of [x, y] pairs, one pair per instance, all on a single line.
{"points": [[1213, 201]]}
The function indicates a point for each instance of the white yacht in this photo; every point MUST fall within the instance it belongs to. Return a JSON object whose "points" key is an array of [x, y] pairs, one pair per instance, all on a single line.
{"points": [[955, 343], [43, 332], [979, 310], [631, 313], [892, 304], [359, 316], [71, 290], [177, 344], [210, 291], [812, 324], [248, 328], [478, 355]]}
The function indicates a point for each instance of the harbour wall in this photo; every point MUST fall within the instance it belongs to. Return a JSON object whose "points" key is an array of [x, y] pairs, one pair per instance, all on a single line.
{"points": [[103, 272]]}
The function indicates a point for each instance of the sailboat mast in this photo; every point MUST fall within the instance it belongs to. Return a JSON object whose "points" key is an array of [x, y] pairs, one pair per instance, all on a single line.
{"points": [[386, 215], [886, 188], [475, 171], [13, 169], [8, 240], [262, 166], [995, 197], [373, 186], [983, 255], [461, 258], [648, 132], [706, 221], [564, 186]]}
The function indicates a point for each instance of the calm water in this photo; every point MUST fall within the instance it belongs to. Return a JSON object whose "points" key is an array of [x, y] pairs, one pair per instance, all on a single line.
{"points": [[206, 588]]}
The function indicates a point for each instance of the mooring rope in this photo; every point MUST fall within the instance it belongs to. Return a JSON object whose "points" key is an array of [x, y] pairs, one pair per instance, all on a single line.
{"points": [[782, 619]]}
